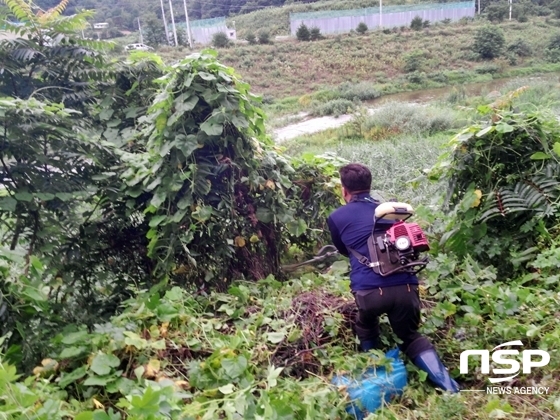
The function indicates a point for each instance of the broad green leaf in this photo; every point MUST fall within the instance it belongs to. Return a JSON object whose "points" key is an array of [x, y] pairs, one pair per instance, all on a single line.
{"points": [[540, 156], [23, 196], [203, 213], [226, 389], [73, 376], [8, 204], [75, 337], [485, 131], [503, 127], [156, 220], [235, 367], [102, 363], [206, 76], [297, 227], [211, 127], [99, 380], [69, 352], [556, 148], [275, 337], [158, 198], [264, 215]]}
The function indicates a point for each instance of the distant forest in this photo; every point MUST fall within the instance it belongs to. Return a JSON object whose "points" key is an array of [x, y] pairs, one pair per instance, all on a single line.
{"points": [[122, 13]]}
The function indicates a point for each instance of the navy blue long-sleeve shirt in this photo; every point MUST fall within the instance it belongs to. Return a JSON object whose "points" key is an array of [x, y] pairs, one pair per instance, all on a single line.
{"points": [[351, 226]]}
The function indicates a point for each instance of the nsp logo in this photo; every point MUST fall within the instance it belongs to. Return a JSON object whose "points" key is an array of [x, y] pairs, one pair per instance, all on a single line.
{"points": [[498, 357]]}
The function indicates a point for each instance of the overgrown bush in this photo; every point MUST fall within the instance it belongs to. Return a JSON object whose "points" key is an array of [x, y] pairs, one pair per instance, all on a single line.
{"points": [[302, 33], [416, 23], [503, 176], [402, 118], [520, 47], [362, 28], [489, 42], [334, 107], [496, 11], [264, 37], [552, 52], [416, 77], [220, 40], [315, 34], [414, 61], [251, 38], [362, 91]]}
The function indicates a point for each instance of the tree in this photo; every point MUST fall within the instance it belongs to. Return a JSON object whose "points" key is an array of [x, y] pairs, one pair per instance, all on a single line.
{"points": [[264, 37], [251, 38], [496, 11], [315, 34], [361, 28], [416, 23], [302, 33], [220, 40], [489, 42]]}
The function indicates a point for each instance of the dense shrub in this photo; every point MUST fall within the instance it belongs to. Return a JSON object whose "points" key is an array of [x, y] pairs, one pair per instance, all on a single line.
{"points": [[334, 107], [520, 47], [361, 28], [315, 34], [302, 33], [489, 42], [503, 178], [409, 119], [220, 40], [251, 38], [496, 11], [362, 91], [552, 51], [416, 23], [416, 77], [264, 37], [414, 61]]}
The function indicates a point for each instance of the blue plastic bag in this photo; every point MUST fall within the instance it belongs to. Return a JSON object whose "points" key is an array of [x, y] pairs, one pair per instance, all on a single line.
{"points": [[374, 386]]}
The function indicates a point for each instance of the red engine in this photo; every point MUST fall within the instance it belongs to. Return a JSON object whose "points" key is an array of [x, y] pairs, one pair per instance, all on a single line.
{"points": [[408, 237]]}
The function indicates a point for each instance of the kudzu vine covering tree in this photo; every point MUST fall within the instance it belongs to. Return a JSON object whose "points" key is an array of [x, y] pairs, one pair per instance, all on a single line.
{"points": [[504, 185], [116, 176]]}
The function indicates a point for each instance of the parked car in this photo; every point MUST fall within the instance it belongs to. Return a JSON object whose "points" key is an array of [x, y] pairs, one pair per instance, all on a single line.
{"points": [[140, 47]]}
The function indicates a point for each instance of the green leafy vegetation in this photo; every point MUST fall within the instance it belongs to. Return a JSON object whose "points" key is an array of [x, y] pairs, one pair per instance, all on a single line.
{"points": [[146, 216]]}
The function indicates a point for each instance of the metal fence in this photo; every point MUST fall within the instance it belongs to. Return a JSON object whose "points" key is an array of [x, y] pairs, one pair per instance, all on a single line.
{"points": [[203, 30], [336, 21]]}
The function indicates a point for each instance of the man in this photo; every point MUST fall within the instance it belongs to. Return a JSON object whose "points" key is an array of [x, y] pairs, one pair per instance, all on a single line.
{"points": [[395, 295]]}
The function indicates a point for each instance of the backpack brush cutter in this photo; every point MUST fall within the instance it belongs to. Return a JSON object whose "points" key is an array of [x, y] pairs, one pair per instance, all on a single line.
{"points": [[396, 250]]}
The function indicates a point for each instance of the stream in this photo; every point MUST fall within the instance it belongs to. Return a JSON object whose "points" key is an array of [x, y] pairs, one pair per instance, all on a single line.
{"points": [[311, 125]]}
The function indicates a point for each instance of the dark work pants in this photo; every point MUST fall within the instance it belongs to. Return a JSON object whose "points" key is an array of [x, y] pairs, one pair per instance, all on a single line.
{"points": [[402, 306]]}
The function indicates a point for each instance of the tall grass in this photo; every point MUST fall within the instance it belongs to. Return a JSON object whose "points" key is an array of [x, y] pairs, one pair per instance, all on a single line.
{"points": [[413, 119], [397, 164]]}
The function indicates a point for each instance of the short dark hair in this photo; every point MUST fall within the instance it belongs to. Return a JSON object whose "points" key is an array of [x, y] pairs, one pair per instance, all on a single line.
{"points": [[355, 177]]}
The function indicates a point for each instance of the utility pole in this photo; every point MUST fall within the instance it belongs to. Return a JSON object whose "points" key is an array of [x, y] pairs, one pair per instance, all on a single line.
{"points": [[380, 14], [165, 22], [188, 24], [173, 23], [479, 7], [140, 29], [510, 3]]}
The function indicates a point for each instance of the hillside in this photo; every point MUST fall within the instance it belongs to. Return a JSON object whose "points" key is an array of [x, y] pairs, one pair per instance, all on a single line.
{"points": [[388, 61]]}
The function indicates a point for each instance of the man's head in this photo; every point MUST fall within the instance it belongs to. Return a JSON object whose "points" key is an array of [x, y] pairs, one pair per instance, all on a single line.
{"points": [[355, 178]]}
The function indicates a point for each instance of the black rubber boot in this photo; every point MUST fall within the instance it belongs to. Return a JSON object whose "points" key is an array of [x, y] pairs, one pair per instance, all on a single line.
{"points": [[430, 362]]}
